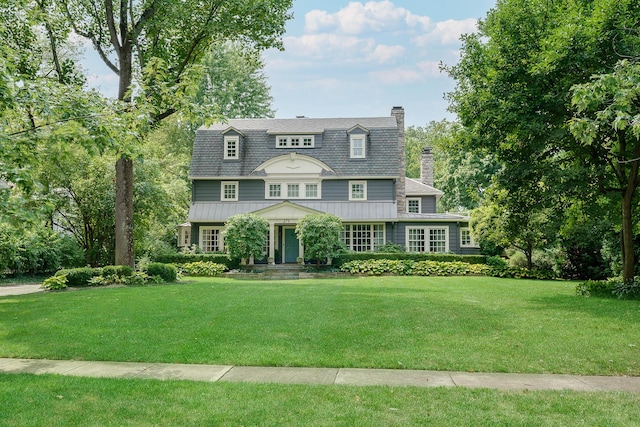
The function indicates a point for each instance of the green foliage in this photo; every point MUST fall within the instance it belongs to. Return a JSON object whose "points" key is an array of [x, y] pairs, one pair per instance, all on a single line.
{"points": [[352, 256], [520, 273], [390, 248], [203, 268], [612, 287], [376, 267], [117, 270], [166, 272], [55, 283], [454, 268], [320, 236], [79, 277], [184, 258], [245, 235]]}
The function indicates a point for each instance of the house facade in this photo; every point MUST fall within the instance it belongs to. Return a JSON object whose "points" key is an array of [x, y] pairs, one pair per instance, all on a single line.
{"points": [[284, 169]]}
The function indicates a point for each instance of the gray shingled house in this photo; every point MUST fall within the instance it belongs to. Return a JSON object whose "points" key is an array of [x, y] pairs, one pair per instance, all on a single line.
{"points": [[284, 169]]}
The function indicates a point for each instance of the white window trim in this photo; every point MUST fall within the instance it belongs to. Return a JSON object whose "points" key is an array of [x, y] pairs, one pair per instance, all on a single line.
{"points": [[473, 243], [419, 199], [348, 228], [288, 140], [447, 247], [284, 190], [220, 236], [227, 140], [351, 184], [222, 195], [363, 137]]}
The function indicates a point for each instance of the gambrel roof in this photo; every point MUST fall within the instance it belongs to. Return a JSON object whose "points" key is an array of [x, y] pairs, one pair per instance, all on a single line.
{"points": [[331, 146]]}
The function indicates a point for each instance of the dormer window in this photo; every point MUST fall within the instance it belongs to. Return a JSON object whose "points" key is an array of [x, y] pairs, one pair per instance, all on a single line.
{"points": [[358, 146], [414, 205], [231, 146], [295, 141]]}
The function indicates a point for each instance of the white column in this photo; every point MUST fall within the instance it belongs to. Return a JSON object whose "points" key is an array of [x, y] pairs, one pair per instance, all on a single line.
{"points": [[272, 241]]}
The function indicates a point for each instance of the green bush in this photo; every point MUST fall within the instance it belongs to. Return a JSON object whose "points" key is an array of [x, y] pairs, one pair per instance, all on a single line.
{"points": [[184, 258], [613, 287], [520, 273], [375, 267], [79, 277], [55, 283], [455, 268], [203, 268], [408, 256], [166, 272], [117, 270]]}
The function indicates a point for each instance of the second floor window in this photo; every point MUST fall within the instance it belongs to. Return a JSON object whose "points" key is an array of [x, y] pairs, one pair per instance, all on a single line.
{"points": [[357, 190], [413, 205], [231, 144], [292, 190], [295, 141], [229, 191]]}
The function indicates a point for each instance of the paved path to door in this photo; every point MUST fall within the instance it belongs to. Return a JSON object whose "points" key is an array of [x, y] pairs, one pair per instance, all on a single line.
{"points": [[28, 288], [325, 376]]}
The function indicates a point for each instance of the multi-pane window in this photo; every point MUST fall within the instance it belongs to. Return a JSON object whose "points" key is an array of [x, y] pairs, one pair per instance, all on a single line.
{"points": [[357, 190], [357, 146], [231, 147], [363, 237], [186, 237], [427, 239], [311, 191], [438, 240], [413, 205], [211, 239], [293, 190], [415, 239], [229, 191], [466, 239], [275, 190], [306, 141]]}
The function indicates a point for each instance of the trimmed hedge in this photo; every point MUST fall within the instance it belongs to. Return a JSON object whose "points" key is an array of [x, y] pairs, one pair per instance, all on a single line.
{"points": [[203, 269], [79, 277], [408, 256], [166, 272]]}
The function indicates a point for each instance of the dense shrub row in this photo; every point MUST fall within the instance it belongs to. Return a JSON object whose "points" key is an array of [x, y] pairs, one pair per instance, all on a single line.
{"points": [[437, 268], [613, 287], [110, 275], [359, 256], [39, 252]]}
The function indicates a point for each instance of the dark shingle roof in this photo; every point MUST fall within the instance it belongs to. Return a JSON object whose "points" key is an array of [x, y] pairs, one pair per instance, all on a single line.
{"points": [[331, 146]]}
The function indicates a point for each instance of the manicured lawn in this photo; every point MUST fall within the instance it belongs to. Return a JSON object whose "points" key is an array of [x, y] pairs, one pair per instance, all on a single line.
{"points": [[48, 400], [447, 323]]}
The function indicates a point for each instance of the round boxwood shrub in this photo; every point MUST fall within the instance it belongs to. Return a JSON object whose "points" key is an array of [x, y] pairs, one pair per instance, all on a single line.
{"points": [[166, 272]]}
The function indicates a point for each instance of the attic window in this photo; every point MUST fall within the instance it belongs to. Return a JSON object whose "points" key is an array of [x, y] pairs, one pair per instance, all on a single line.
{"points": [[358, 146], [231, 144], [295, 141]]}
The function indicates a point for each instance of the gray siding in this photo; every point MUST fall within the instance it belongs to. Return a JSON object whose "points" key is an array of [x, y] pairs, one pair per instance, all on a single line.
{"points": [[429, 204], [206, 191], [251, 191]]}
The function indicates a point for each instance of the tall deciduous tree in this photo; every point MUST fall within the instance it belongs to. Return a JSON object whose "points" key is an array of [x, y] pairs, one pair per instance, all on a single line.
{"points": [[513, 93], [160, 42]]}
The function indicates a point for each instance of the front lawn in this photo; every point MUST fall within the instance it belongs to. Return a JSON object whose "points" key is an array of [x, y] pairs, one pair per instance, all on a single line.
{"points": [[441, 323], [49, 400]]}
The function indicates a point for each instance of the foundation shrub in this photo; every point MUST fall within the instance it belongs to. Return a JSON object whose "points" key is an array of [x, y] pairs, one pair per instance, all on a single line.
{"points": [[79, 277], [203, 268], [166, 272]]}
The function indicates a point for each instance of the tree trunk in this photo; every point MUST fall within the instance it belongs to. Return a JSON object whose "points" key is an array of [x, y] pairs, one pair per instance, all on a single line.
{"points": [[124, 212], [628, 261]]}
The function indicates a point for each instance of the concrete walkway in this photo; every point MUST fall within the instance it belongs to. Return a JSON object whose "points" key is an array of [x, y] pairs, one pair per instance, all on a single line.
{"points": [[21, 289], [323, 376]]}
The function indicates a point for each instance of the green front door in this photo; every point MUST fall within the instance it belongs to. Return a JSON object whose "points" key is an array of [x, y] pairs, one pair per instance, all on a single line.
{"points": [[291, 245]]}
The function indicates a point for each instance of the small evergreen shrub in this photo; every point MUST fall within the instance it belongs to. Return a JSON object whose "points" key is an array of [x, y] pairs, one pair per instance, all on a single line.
{"points": [[117, 270], [203, 268], [55, 283], [167, 272], [79, 277]]}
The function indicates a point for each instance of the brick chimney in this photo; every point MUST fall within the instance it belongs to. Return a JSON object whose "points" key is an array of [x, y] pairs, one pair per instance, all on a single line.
{"points": [[426, 166], [398, 113]]}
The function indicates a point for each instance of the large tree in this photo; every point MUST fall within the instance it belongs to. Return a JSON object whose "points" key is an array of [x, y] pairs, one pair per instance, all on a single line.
{"points": [[153, 47], [513, 93]]}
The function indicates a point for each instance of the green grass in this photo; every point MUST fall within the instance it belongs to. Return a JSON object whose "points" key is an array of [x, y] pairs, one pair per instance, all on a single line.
{"points": [[442, 323], [49, 400]]}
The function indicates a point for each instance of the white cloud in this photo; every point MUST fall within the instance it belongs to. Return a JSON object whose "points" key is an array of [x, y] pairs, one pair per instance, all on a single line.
{"points": [[446, 32], [324, 46], [421, 72], [359, 18], [383, 54]]}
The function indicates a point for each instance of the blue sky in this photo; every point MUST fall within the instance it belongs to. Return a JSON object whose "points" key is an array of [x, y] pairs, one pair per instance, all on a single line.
{"points": [[360, 58]]}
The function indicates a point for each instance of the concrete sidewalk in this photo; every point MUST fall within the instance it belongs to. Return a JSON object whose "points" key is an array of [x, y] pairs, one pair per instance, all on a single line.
{"points": [[324, 376]]}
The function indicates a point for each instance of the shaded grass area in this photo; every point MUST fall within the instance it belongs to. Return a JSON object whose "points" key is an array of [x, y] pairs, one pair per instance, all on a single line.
{"points": [[49, 400], [441, 323]]}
